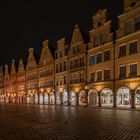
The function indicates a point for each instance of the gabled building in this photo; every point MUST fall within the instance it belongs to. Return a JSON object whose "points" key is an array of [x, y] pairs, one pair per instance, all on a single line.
{"points": [[46, 75], [61, 72], [127, 54], [100, 68], [77, 67], [31, 78], [12, 83], [6, 85], [21, 93], [1, 85]]}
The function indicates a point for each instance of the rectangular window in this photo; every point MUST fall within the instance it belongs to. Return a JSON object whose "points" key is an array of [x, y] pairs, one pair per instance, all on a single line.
{"points": [[122, 72], [57, 68], [128, 27], [81, 61], [65, 80], [103, 38], [99, 58], [99, 76], [61, 54], [92, 77], [81, 77], [133, 70], [65, 66], [61, 69], [66, 51], [137, 23], [92, 60], [107, 55], [78, 48], [96, 41], [122, 51], [106, 74], [76, 63], [133, 48]]}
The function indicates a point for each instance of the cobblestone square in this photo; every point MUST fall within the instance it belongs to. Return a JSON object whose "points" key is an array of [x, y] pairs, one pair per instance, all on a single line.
{"points": [[46, 122]]}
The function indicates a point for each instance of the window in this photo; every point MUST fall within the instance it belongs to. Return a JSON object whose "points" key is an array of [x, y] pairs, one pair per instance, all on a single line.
{"points": [[106, 74], [92, 60], [65, 80], [99, 76], [107, 55], [60, 67], [122, 72], [72, 65], [96, 41], [65, 66], [137, 23], [66, 51], [92, 77], [128, 27], [76, 63], [122, 51], [81, 61], [81, 77], [133, 48], [133, 70], [78, 48], [103, 38], [57, 68], [99, 58], [61, 54]]}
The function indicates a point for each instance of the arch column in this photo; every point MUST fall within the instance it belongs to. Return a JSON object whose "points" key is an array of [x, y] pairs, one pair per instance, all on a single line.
{"points": [[99, 99], [132, 99], [114, 100]]}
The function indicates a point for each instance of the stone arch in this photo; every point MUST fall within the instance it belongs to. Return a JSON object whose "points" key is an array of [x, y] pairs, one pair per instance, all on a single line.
{"points": [[65, 97], [93, 97], [58, 97], [107, 97], [137, 96], [82, 97], [46, 98], [52, 98], [123, 97], [73, 98]]}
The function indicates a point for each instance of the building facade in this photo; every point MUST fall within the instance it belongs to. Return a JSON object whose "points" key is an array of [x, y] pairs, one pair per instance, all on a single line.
{"points": [[102, 69]]}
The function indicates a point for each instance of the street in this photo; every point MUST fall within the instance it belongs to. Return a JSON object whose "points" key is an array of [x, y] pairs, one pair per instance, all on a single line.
{"points": [[48, 122]]}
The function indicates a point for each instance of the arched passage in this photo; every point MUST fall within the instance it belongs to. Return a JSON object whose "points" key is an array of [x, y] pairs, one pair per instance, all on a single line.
{"points": [[65, 97], [107, 97], [58, 98], [52, 98], [73, 98], [92, 98], [46, 98], [137, 97], [123, 97], [82, 98]]}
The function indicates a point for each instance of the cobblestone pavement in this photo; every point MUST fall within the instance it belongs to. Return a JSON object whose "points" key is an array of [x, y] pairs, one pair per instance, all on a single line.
{"points": [[43, 122]]}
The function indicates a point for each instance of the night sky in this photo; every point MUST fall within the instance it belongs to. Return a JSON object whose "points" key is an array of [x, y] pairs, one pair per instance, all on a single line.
{"points": [[27, 24]]}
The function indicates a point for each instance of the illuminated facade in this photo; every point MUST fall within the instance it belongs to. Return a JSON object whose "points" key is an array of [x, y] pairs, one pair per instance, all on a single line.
{"points": [[101, 70]]}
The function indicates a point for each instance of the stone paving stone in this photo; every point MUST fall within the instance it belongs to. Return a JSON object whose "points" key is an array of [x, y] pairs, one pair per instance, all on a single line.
{"points": [[44, 122]]}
